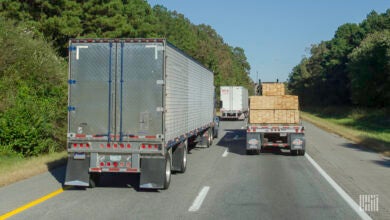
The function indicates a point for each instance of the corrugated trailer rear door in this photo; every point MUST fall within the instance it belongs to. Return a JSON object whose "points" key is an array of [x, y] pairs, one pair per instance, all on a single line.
{"points": [[92, 67], [140, 83]]}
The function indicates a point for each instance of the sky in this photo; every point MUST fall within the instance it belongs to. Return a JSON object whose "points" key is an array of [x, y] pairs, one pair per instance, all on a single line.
{"points": [[275, 34]]}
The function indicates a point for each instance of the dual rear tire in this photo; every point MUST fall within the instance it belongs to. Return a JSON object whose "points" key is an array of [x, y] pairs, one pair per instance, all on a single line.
{"points": [[298, 152]]}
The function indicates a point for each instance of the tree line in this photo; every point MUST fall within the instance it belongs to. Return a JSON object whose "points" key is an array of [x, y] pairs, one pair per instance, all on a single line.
{"points": [[60, 20], [33, 70], [351, 69]]}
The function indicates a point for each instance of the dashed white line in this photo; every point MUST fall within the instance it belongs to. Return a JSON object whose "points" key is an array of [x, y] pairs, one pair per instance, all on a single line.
{"points": [[340, 191], [199, 199], [225, 153]]}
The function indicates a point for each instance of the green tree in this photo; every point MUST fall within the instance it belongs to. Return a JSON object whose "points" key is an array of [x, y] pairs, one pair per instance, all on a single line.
{"points": [[369, 68]]}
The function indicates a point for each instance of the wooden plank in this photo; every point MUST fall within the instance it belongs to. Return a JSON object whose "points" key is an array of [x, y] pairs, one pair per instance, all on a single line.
{"points": [[285, 102], [271, 89], [274, 116]]}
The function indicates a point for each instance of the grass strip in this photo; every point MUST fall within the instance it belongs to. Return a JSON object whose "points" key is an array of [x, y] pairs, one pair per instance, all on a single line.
{"points": [[13, 169], [371, 140]]}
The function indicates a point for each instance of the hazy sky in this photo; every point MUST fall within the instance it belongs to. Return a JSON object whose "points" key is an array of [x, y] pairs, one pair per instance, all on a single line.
{"points": [[275, 34]]}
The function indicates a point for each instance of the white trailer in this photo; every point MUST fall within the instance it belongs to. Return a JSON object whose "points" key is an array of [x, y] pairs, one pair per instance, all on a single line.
{"points": [[234, 102], [134, 106]]}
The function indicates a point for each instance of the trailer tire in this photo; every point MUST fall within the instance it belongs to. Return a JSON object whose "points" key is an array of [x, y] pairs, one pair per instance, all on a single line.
{"points": [[302, 152], [215, 133], [94, 180], [210, 140], [183, 165], [168, 171]]}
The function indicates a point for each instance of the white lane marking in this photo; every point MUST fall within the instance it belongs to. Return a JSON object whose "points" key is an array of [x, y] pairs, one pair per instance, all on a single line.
{"points": [[199, 199], [339, 190], [225, 153]]}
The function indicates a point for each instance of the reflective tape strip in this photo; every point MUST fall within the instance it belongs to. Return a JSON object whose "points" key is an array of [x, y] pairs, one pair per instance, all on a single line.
{"points": [[95, 169]]}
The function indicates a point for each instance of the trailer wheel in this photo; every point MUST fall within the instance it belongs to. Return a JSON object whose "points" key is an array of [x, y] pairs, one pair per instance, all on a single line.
{"points": [[302, 152], [183, 166], [168, 172], [215, 133], [210, 140], [94, 180]]}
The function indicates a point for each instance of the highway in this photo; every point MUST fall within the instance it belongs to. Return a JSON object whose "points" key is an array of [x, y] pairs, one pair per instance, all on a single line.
{"points": [[221, 182]]}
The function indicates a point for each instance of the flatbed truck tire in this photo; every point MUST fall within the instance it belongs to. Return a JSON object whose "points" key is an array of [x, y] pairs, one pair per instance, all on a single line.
{"points": [[294, 152], [252, 152]]}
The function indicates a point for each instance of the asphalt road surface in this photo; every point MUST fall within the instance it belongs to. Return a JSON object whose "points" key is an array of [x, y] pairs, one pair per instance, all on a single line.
{"points": [[221, 182]]}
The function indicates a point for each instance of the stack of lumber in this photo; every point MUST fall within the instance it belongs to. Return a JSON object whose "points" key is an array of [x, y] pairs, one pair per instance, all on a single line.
{"points": [[271, 89], [274, 109]]}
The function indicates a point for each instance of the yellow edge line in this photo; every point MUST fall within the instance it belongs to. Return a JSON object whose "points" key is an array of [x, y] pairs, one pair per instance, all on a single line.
{"points": [[31, 204]]}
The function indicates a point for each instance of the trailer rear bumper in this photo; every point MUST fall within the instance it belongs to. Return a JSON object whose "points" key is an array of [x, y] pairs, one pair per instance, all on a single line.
{"points": [[291, 137]]}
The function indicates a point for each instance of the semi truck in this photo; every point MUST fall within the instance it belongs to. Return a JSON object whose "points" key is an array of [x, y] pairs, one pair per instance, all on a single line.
{"points": [[234, 102], [274, 121], [135, 106]]}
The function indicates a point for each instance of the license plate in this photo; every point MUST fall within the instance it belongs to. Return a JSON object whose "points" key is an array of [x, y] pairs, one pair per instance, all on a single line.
{"points": [[283, 134], [297, 147], [79, 156], [115, 158]]}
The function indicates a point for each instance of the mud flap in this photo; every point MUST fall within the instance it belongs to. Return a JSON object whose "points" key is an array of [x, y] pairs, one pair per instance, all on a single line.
{"points": [[152, 173], [77, 172], [253, 141], [297, 142]]}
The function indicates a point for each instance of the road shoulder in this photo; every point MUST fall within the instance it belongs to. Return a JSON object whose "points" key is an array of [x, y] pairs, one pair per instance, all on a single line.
{"points": [[357, 170]]}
